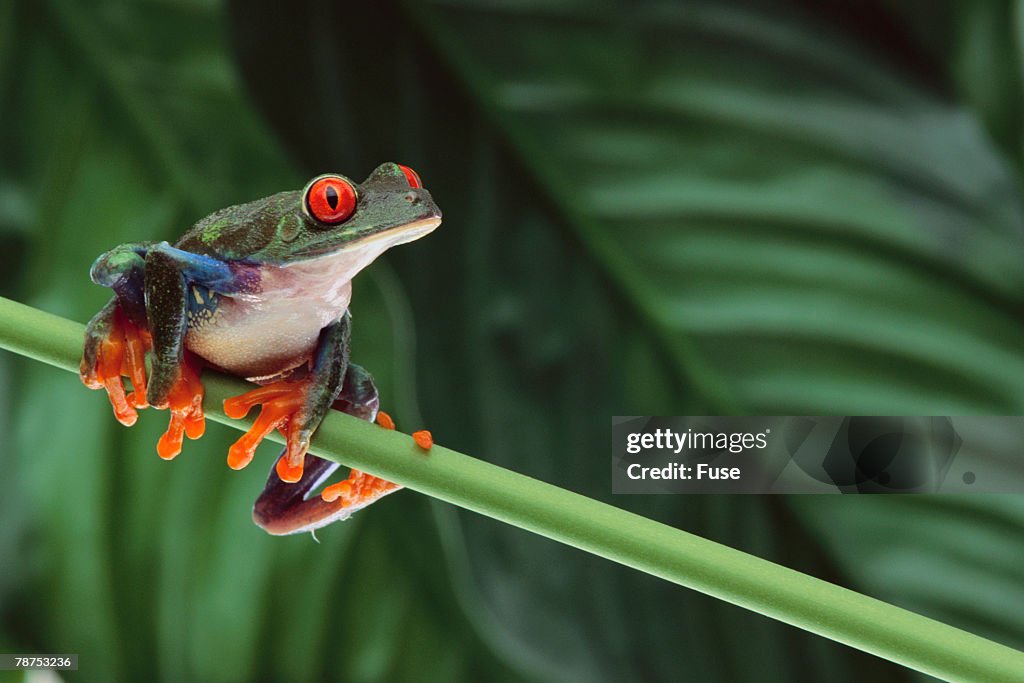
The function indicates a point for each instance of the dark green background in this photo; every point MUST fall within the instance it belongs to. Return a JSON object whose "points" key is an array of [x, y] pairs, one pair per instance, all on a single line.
{"points": [[650, 208]]}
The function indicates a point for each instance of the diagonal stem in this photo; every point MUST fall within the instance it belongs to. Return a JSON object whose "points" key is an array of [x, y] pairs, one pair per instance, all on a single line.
{"points": [[685, 559]]}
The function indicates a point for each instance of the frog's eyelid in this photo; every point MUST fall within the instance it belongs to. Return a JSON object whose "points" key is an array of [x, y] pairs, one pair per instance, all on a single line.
{"points": [[315, 179], [411, 177]]}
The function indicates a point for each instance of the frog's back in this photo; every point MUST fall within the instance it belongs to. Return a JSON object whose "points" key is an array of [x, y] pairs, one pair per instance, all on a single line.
{"points": [[235, 232]]}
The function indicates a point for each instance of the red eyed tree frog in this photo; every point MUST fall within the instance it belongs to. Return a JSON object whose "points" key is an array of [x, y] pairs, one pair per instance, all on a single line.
{"points": [[260, 290]]}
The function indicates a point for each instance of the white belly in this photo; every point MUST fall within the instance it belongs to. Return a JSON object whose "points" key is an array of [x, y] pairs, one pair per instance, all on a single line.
{"points": [[258, 336]]}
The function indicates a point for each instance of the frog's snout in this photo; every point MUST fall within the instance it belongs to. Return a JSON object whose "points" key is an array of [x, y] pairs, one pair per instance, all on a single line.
{"points": [[421, 200]]}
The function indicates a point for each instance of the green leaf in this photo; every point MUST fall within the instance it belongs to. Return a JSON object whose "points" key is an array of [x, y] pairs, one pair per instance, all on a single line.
{"points": [[695, 208]]}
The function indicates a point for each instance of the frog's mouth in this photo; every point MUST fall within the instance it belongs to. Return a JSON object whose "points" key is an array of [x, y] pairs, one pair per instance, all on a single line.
{"points": [[400, 234], [345, 262]]}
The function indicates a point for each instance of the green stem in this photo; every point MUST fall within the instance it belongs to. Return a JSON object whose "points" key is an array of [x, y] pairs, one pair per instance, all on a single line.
{"points": [[677, 556]]}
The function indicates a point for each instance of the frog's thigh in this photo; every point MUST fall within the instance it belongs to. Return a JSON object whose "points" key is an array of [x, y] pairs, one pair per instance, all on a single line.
{"points": [[285, 509]]}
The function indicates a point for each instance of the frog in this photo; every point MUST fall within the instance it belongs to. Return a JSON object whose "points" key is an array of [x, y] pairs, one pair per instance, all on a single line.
{"points": [[260, 290]]}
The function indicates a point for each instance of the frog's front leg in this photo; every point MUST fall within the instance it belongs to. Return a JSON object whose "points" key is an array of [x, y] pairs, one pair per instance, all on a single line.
{"points": [[174, 378], [149, 311], [285, 508]]}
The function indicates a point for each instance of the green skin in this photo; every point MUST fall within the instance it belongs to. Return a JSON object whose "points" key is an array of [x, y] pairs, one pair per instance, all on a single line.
{"points": [[262, 290]]}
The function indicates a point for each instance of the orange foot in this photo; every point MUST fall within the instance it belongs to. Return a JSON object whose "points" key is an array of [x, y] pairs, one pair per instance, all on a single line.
{"points": [[423, 438], [186, 404], [121, 353], [359, 490], [282, 401]]}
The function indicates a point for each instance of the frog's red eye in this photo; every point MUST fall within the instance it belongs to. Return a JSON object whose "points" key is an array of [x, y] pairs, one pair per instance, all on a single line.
{"points": [[411, 177], [331, 199]]}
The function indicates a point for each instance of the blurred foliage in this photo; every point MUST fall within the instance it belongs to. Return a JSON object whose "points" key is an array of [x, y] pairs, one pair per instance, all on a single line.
{"points": [[650, 207], [129, 123]]}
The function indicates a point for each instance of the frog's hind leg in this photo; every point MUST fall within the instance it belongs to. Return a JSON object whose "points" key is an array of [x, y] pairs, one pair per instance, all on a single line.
{"points": [[288, 508], [295, 508], [285, 508]]}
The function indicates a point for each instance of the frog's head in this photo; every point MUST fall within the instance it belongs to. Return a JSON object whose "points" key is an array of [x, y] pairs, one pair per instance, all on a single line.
{"points": [[330, 216], [390, 207]]}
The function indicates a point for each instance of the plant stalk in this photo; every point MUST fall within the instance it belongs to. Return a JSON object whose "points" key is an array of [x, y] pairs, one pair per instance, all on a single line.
{"points": [[826, 609]]}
